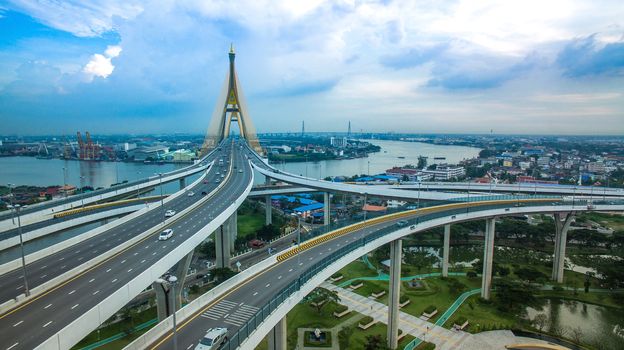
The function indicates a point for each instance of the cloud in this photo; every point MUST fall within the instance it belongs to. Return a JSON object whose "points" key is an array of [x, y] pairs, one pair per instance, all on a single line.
{"points": [[590, 56], [82, 18], [101, 65]]}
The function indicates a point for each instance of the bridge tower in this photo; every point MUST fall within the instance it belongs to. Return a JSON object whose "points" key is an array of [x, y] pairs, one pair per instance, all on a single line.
{"points": [[230, 107]]}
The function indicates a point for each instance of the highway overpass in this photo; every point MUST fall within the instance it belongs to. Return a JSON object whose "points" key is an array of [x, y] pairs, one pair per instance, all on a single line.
{"points": [[258, 299]]}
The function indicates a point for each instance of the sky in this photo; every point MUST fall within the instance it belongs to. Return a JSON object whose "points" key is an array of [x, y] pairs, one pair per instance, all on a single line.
{"points": [[125, 66]]}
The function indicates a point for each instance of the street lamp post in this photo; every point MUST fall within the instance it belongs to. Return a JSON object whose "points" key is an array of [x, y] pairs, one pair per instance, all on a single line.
{"points": [[82, 190], [19, 232], [11, 199], [298, 235], [162, 203], [173, 280], [138, 183], [364, 207], [65, 181]]}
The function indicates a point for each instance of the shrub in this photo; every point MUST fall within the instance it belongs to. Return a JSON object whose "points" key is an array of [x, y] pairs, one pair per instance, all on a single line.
{"points": [[366, 320], [403, 299], [557, 288], [471, 274], [430, 309], [460, 320], [336, 275], [341, 308]]}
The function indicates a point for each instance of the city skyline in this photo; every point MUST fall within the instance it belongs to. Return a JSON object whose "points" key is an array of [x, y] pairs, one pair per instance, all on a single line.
{"points": [[532, 68]]}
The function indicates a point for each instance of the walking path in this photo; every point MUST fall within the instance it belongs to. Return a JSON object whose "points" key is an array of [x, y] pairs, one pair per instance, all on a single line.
{"points": [[442, 337]]}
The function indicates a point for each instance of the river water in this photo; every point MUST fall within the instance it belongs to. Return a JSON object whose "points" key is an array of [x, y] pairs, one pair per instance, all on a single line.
{"points": [[378, 162], [46, 172], [596, 325]]}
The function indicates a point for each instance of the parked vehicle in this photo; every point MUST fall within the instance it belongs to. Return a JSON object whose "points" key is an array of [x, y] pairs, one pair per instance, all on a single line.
{"points": [[165, 235], [191, 194], [170, 213], [401, 223]]}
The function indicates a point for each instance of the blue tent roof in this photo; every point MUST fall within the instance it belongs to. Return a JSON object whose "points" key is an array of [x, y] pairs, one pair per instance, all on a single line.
{"points": [[310, 207]]}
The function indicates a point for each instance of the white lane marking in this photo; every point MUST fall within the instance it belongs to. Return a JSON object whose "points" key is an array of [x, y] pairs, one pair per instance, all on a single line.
{"points": [[142, 261], [154, 253], [80, 258], [47, 306], [135, 254], [310, 258], [12, 346], [75, 306], [300, 264], [255, 293], [130, 270], [268, 284], [44, 276], [77, 251], [91, 280], [290, 270], [190, 346], [43, 267], [279, 277], [146, 246], [47, 324], [72, 292], [97, 291], [108, 270], [21, 285], [113, 281], [123, 261], [18, 323]]}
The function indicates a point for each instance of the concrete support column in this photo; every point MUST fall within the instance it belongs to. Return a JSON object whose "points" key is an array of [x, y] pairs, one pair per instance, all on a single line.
{"points": [[277, 336], [446, 250], [326, 208], [182, 183], [162, 305], [233, 230], [562, 224], [268, 210], [396, 248], [162, 290], [222, 247], [488, 256]]}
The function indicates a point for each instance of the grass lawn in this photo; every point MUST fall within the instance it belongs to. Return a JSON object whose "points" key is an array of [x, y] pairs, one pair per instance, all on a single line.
{"points": [[358, 339], [305, 316], [116, 328], [615, 222], [354, 270], [249, 223], [483, 315]]}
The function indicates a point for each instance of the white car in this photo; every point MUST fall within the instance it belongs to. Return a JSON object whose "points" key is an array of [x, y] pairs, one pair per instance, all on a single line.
{"points": [[170, 213], [213, 339], [191, 194], [165, 235]]}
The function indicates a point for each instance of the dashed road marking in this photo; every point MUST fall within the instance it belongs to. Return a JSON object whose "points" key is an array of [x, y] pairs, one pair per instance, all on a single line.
{"points": [[47, 306], [72, 292], [75, 306], [47, 324], [113, 281], [97, 291], [12, 346], [91, 280], [108, 270]]}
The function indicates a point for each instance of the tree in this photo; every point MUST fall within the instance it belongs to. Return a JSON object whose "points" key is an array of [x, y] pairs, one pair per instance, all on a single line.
{"points": [[540, 321], [511, 295], [455, 286], [422, 162], [419, 259], [321, 296], [529, 274], [222, 274], [374, 342], [344, 336]]}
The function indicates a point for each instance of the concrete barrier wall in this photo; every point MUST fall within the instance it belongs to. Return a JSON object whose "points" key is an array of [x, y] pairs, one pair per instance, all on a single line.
{"points": [[81, 220], [105, 255], [47, 213], [81, 327]]}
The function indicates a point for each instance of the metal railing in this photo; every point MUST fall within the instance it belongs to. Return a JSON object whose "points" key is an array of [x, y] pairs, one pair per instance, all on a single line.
{"points": [[237, 338]]}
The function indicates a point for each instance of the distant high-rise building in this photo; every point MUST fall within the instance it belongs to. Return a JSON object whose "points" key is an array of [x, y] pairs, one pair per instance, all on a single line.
{"points": [[349, 131], [302, 127]]}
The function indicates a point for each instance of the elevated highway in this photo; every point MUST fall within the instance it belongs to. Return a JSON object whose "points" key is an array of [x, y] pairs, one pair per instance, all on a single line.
{"points": [[65, 313], [262, 297], [45, 210], [71, 218]]}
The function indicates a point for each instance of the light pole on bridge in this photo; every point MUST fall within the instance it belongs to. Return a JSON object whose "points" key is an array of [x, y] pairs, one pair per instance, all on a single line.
{"points": [[17, 208]]}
